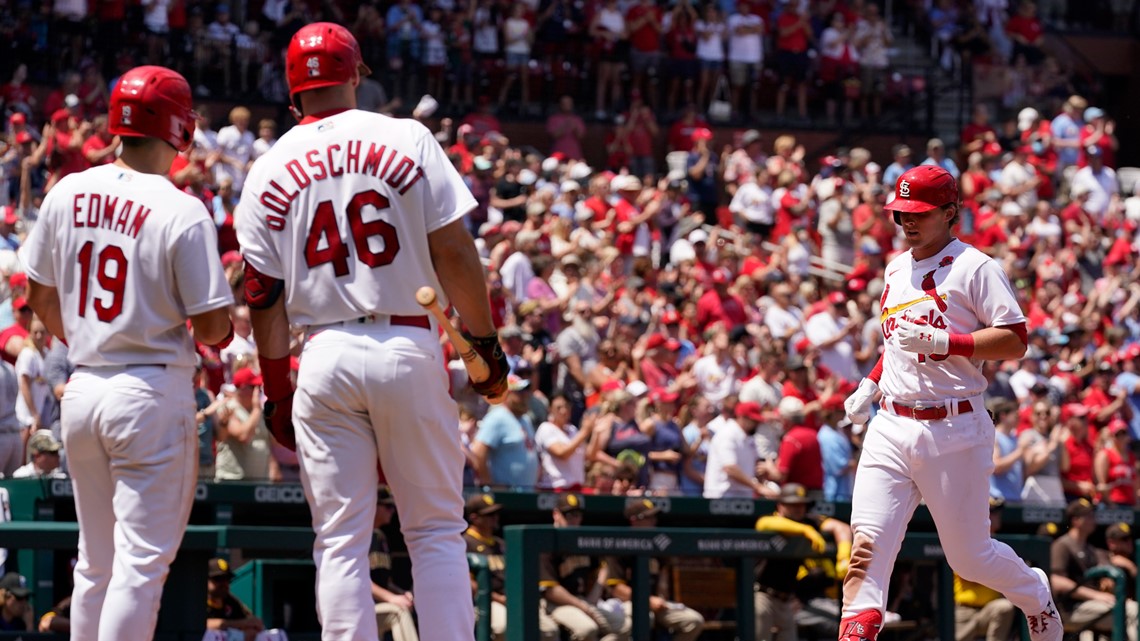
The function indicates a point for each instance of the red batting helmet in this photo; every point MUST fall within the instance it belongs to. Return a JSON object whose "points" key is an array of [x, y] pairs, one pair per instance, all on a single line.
{"points": [[153, 102], [923, 188], [322, 54]]}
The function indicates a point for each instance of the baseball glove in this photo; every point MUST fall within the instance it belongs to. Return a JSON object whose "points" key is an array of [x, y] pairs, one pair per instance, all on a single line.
{"points": [[492, 352]]}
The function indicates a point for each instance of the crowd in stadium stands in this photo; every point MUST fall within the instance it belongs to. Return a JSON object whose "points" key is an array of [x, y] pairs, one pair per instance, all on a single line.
{"points": [[739, 58]]}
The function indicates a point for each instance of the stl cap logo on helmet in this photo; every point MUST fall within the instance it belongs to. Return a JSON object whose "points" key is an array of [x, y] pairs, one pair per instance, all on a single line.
{"points": [[314, 65], [312, 41], [126, 116], [904, 189]]}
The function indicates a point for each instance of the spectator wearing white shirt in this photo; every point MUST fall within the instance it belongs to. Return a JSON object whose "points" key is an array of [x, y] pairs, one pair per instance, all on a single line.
{"points": [[34, 389], [1028, 376], [731, 468], [872, 40], [753, 203], [710, 30], [1045, 225], [834, 335], [266, 137], [1019, 180], [1099, 181], [242, 346], [745, 53], [717, 374], [236, 144], [43, 448], [784, 320], [561, 448]]}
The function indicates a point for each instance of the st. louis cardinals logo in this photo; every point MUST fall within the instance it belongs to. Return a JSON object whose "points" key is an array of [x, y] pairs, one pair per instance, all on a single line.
{"points": [[314, 66], [126, 115], [311, 41], [904, 189]]}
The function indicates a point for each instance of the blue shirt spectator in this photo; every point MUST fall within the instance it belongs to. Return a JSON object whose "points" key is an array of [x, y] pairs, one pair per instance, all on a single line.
{"points": [[512, 459], [838, 473], [1066, 129], [899, 167], [1007, 485], [936, 155], [1130, 382]]}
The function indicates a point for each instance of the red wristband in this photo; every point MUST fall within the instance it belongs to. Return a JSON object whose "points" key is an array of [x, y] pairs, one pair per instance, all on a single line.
{"points": [[275, 377], [961, 345], [225, 342], [877, 371]]}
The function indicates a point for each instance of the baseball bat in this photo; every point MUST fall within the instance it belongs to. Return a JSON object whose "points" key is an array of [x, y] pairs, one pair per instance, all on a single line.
{"points": [[477, 368]]}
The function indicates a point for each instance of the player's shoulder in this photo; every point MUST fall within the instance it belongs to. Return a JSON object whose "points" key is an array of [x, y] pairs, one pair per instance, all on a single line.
{"points": [[968, 255]]}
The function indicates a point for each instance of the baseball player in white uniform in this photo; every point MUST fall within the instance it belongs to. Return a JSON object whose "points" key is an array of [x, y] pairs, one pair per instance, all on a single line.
{"points": [[118, 262], [340, 223], [945, 308]]}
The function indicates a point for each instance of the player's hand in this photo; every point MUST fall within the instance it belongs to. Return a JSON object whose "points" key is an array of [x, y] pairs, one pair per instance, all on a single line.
{"points": [[818, 544], [495, 387], [920, 338], [858, 405], [279, 419]]}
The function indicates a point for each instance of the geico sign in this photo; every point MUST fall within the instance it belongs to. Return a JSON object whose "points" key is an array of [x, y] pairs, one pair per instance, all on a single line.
{"points": [[737, 507], [279, 494], [61, 487]]}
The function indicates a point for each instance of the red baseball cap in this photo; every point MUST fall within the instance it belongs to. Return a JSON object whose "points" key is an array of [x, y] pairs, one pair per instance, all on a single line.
{"points": [[245, 377], [10, 217], [655, 341], [231, 257], [23, 138], [60, 115], [1073, 410], [702, 133], [19, 279], [19, 303], [671, 317], [923, 188], [662, 395], [749, 410], [720, 277], [18, 118], [611, 385], [837, 298], [1117, 425]]}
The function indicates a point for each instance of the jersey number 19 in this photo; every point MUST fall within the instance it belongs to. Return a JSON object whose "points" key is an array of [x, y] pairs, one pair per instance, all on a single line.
{"points": [[336, 250], [111, 272]]}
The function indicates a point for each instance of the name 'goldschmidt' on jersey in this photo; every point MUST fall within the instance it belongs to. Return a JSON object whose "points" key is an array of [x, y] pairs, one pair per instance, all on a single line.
{"points": [[340, 209]]}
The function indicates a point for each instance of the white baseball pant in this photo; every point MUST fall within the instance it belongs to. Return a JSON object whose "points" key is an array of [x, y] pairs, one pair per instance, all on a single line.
{"points": [[947, 463], [368, 390], [132, 446]]}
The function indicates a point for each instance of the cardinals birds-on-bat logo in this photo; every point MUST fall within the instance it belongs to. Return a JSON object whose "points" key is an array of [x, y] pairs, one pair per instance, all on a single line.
{"points": [[928, 287]]}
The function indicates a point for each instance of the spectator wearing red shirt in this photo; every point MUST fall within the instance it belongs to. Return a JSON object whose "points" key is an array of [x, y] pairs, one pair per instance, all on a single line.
{"points": [[643, 133], [12, 337], [17, 94], [1077, 480], [1115, 467], [643, 22], [799, 460], [100, 148], [482, 121], [566, 129], [1027, 34], [978, 133], [681, 131], [718, 305], [1100, 132], [55, 99], [681, 46], [65, 149], [630, 228], [793, 34], [92, 93], [872, 225], [659, 365]]}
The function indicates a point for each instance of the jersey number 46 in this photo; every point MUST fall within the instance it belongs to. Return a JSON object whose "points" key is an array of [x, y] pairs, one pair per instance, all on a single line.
{"points": [[336, 250]]}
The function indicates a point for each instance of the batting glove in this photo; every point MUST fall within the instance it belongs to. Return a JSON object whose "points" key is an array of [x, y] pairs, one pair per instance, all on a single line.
{"points": [[858, 405], [921, 338], [279, 419], [495, 387]]}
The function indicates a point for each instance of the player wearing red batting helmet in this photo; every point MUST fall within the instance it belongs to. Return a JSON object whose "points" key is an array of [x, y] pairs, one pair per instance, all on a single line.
{"points": [[945, 307], [153, 102], [340, 223], [118, 262], [322, 54]]}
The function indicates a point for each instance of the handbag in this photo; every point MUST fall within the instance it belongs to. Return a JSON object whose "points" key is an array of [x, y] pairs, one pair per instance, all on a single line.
{"points": [[720, 109]]}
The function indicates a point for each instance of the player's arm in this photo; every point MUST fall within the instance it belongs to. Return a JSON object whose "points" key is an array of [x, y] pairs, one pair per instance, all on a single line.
{"points": [[461, 275], [44, 301]]}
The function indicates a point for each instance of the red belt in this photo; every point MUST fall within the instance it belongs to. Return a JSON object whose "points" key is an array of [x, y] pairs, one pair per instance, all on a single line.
{"points": [[928, 413], [407, 321]]}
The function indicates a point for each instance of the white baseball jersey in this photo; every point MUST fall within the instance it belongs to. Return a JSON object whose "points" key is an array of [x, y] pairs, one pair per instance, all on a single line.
{"points": [[132, 258], [340, 210], [959, 290]]}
